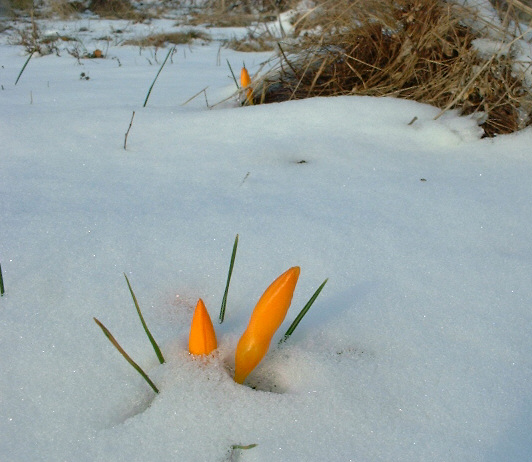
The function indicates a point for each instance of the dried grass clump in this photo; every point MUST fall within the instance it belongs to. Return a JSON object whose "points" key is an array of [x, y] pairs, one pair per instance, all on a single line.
{"points": [[247, 6], [161, 39], [413, 49], [222, 18], [116, 9], [251, 43], [34, 41], [65, 9]]}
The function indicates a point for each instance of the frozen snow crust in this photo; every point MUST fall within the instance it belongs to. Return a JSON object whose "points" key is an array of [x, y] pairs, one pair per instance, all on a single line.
{"points": [[418, 348]]}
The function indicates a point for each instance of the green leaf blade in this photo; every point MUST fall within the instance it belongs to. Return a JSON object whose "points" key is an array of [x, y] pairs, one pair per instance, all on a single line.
{"points": [[1, 282], [303, 312], [229, 274], [144, 325], [125, 355], [157, 76]]}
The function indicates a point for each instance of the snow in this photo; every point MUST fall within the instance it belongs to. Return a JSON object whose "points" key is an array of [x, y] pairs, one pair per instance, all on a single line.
{"points": [[417, 349]]}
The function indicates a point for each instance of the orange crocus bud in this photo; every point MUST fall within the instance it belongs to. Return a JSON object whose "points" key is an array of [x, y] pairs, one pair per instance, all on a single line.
{"points": [[245, 81], [244, 78], [266, 318], [202, 339]]}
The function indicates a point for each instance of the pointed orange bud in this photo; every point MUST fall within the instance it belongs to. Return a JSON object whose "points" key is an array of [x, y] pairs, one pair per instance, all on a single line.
{"points": [[202, 339], [245, 81], [266, 318], [244, 78]]}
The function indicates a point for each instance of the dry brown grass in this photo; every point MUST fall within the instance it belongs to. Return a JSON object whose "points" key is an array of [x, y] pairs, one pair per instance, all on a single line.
{"points": [[210, 18], [251, 43], [247, 6], [160, 39], [34, 41], [510, 9], [414, 49], [116, 9], [64, 9]]}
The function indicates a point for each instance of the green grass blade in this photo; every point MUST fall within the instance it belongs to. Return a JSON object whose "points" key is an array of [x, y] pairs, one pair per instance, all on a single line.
{"points": [[235, 447], [1, 282], [303, 312], [125, 355], [233, 74], [224, 299], [148, 333], [24, 67], [157, 76], [248, 446]]}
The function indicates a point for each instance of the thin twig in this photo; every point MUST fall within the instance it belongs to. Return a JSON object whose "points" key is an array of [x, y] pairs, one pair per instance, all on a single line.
{"points": [[245, 178], [286, 59], [129, 128], [195, 96]]}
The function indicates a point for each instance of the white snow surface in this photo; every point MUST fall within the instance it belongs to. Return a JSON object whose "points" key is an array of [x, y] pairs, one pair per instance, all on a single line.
{"points": [[418, 349]]}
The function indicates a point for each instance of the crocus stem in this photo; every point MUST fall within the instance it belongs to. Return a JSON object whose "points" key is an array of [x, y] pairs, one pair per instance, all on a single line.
{"points": [[302, 313], [148, 333], [231, 264], [126, 356]]}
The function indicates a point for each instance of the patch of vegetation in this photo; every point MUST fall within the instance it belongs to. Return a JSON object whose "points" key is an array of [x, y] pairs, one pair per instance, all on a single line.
{"points": [[65, 9], [421, 50], [21, 5], [222, 19], [34, 41], [252, 43], [160, 39], [522, 9], [116, 9]]}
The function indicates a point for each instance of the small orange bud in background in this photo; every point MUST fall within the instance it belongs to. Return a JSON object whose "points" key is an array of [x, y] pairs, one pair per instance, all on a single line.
{"points": [[202, 338], [245, 81], [244, 78]]}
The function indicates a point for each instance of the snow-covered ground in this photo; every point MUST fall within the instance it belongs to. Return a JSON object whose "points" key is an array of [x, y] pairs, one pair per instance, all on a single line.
{"points": [[418, 349]]}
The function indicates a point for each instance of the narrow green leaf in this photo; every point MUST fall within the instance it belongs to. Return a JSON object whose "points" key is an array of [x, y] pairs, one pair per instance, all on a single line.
{"points": [[1, 282], [233, 74], [125, 355], [157, 76], [239, 446], [303, 312], [24, 67], [224, 299], [148, 333]]}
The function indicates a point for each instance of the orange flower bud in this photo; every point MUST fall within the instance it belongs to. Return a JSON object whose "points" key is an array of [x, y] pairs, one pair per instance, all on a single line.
{"points": [[244, 78], [245, 81], [266, 318], [202, 339]]}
